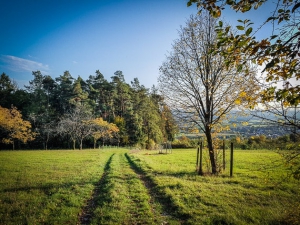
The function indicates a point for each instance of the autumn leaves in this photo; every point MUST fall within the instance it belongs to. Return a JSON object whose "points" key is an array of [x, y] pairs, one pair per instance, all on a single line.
{"points": [[13, 127]]}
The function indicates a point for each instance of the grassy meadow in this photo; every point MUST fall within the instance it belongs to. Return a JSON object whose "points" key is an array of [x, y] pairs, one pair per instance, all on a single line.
{"points": [[119, 186]]}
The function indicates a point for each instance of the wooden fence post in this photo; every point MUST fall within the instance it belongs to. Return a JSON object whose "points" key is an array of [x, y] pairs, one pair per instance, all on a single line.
{"points": [[224, 155], [231, 159], [200, 172], [197, 162]]}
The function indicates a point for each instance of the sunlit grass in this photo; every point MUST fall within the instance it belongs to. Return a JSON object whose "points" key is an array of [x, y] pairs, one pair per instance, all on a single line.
{"points": [[126, 200], [50, 187], [260, 191], [144, 187]]}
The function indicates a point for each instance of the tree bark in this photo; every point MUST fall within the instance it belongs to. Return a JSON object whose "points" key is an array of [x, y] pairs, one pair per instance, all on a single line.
{"points": [[211, 150], [80, 144]]}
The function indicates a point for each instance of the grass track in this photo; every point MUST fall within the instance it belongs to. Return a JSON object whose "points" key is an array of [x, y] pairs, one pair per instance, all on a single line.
{"points": [[121, 187], [123, 200], [99, 191], [163, 203]]}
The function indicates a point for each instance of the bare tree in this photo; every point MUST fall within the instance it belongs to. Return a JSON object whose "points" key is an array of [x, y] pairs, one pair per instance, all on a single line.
{"points": [[46, 131], [198, 86], [77, 125]]}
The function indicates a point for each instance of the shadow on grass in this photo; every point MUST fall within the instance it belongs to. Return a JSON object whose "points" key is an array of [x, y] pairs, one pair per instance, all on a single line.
{"points": [[157, 193], [48, 189], [179, 174], [99, 196]]}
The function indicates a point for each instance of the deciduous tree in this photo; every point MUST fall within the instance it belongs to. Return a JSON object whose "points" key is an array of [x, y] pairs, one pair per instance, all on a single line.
{"points": [[196, 84], [76, 125], [14, 127], [278, 52], [102, 129]]}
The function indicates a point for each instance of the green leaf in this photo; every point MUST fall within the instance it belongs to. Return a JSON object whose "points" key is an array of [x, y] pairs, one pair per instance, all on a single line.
{"points": [[257, 5], [273, 36], [248, 32], [240, 27], [239, 68], [229, 2], [269, 65], [220, 23], [216, 13], [271, 18], [246, 8]]}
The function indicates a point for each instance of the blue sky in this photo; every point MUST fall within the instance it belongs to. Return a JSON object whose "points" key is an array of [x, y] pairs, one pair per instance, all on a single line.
{"points": [[53, 36]]}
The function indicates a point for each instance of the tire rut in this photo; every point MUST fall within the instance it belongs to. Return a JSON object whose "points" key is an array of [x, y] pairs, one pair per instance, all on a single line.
{"points": [[169, 210], [87, 212], [161, 209]]}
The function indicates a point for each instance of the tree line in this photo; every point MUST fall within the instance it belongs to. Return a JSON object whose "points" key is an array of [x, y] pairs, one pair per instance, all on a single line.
{"points": [[68, 112]]}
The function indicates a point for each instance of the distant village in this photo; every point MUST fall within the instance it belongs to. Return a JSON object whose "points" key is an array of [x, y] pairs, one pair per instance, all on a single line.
{"points": [[271, 131]]}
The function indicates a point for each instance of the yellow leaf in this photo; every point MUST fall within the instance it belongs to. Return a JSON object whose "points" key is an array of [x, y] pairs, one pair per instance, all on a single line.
{"points": [[237, 101], [243, 94]]}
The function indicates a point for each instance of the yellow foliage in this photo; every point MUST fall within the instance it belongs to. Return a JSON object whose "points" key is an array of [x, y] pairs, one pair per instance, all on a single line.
{"points": [[237, 101], [286, 104], [245, 123], [16, 128], [194, 131], [243, 94], [103, 128], [119, 120]]}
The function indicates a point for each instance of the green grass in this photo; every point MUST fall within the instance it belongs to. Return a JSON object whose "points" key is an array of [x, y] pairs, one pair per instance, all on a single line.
{"points": [[38, 187], [260, 192], [123, 196], [117, 186]]}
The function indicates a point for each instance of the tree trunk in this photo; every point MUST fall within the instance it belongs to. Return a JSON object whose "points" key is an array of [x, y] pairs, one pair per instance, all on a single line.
{"points": [[46, 142], [74, 142], [211, 150], [95, 143], [80, 144]]}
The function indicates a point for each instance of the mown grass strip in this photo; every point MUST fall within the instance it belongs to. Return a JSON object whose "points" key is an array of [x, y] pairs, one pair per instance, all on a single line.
{"points": [[124, 199], [162, 202], [99, 192]]}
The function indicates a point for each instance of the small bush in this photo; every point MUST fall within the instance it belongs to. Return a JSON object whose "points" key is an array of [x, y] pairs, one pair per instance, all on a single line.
{"points": [[184, 142], [151, 145]]}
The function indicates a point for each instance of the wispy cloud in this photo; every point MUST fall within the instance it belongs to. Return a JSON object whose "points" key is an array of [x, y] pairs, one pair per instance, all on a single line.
{"points": [[17, 64]]}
